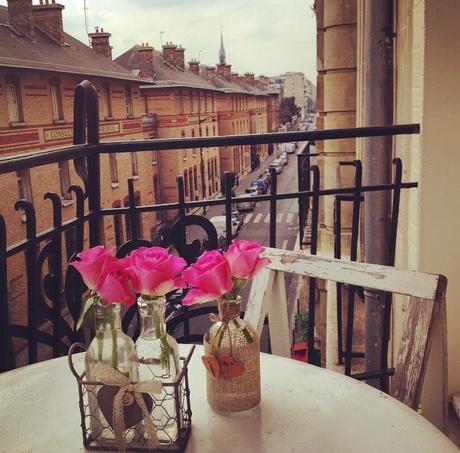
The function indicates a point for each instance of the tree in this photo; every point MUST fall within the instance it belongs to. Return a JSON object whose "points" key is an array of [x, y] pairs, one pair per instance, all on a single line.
{"points": [[288, 109]]}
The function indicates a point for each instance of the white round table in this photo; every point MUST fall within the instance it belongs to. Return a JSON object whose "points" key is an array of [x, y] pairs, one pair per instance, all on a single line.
{"points": [[303, 409]]}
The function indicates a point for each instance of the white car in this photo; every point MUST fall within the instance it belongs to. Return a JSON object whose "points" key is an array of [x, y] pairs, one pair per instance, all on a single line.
{"points": [[219, 223]]}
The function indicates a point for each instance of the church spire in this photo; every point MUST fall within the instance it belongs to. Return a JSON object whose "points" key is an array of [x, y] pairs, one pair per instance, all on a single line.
{"points": [[222, 50]]}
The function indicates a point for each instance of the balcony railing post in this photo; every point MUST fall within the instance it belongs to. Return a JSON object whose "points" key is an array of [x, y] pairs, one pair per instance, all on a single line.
{"points": [[273, 192], [228, 207], [86, 126], [312, 358], [6, 357], [384, 380], [133, 215], [353, 257]]}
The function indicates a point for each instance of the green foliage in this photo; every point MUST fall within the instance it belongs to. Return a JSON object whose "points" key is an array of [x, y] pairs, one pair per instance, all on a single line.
{"points": [[301, 324], [288, 109]]}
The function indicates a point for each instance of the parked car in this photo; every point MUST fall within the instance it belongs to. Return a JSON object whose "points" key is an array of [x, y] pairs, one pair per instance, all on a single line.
{"points": [[261, 185], [291, 148], [278, 166], [275, 163], [237, 216], [266, 177], [247, 205], [219, 223], [284, 160]]}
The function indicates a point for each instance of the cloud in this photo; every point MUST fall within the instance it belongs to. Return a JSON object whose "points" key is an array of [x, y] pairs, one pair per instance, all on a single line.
{"points": [[261, 36]]}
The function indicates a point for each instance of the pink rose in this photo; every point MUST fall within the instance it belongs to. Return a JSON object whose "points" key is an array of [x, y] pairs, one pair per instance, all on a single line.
{"points": [[244, 259], [114, 284], [156, 271], [210, 277], [91, 263]]}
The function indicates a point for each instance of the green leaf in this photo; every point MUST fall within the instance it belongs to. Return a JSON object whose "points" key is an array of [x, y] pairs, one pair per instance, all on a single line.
{"points": [[87, 305]]}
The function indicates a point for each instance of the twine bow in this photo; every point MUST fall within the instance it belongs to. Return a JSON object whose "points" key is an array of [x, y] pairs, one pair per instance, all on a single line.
{"points": [[109, 376]]}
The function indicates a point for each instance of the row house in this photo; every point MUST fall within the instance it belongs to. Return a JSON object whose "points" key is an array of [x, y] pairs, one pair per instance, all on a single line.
{"points": [[40, 66], [234, 118], [185, 105], [200, 101]]}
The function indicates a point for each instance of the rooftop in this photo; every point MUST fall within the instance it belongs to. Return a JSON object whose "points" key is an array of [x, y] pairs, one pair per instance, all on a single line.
{"points": [[17, 50]]}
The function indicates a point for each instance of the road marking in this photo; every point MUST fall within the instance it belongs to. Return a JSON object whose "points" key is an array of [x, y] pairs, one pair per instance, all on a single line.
{"points": [[279, 217], [284, 245], [267, 218], [258, 218], [248, 218], [290, 217]]}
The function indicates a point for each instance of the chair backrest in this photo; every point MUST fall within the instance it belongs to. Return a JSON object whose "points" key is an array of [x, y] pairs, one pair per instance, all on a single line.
{"points": [[424, 324]]}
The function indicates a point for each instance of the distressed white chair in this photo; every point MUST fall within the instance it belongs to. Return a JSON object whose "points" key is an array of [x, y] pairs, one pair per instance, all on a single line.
{"points": [[424, 326]]}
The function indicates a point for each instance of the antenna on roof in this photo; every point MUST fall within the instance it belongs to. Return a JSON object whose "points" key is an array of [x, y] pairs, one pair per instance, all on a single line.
{"points": [[85, 10]]}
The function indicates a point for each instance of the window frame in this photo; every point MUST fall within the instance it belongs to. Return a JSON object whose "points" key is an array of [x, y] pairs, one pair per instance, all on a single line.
{"points": [[57, 107], [107, 101], [129, 101], [64, 179], [113, 169], [184, 151], [13, 81]]}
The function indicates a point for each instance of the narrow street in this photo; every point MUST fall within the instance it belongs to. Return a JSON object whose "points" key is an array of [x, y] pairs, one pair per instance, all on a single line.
{"points": [[256, 224]]}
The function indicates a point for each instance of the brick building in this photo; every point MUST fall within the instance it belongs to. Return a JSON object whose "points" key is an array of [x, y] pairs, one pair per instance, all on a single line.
{"points": [[222, 103], [185, 106], [40, 66]]}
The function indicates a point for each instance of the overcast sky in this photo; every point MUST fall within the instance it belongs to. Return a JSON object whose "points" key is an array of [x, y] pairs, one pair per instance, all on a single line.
{"points": [[262, 36]]}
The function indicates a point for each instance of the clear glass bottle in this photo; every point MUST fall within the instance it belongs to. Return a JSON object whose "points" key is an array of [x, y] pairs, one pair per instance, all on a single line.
{"points": [[235, 340], [156, 356], [111, 347]]}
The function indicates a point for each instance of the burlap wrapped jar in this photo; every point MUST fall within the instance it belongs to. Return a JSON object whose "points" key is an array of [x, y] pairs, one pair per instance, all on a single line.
{"points": [[232, 359]]}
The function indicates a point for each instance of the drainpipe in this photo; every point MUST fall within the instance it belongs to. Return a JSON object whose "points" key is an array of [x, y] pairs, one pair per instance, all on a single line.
{"points": [[377, 157]]}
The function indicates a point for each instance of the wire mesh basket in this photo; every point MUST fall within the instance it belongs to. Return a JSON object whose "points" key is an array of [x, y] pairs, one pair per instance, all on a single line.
{"points": [[169, 411]]}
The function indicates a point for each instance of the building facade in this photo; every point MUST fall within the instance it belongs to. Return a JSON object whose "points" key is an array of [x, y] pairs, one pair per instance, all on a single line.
{"points": [[184, 105], [40, 67], [425, 38]]}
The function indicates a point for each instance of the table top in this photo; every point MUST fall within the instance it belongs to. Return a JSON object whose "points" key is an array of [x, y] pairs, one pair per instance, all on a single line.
{"points": [[303, 409]]}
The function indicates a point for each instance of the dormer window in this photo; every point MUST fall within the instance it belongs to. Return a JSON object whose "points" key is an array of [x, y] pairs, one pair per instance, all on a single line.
{"points": [[13, 100]]}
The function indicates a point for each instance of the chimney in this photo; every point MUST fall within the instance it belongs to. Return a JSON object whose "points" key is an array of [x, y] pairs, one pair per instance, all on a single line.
{"points": [[263, 80], [234, 77], [249, 78], [240, 80], [221, 69], [145, 62], [210, 73], [100, 42], [179, 57], [194, 66], [228, 72], [48, 16], [169, 53], [20, 15]]}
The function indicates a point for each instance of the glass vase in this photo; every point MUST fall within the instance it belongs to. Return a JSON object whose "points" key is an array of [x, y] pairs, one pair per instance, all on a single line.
{"points": [[111, 347], [156, 356], [233, 347]]}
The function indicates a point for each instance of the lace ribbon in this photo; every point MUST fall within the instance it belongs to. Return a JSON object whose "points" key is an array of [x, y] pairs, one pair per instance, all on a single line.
{"points": [[109, 376]]}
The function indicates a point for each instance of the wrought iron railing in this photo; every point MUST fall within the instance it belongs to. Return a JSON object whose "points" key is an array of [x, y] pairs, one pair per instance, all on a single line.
{"points": [[55, 297]]}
